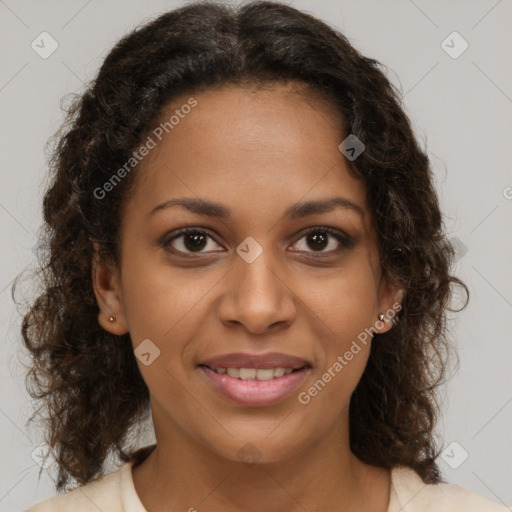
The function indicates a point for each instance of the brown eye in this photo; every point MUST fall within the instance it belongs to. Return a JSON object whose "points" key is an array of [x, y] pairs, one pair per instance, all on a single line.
{"points": [[194, 241], [318, 239], [191, 241]]}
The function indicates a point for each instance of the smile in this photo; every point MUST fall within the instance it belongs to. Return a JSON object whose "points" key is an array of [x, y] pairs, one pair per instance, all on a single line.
{"points": [[254, 373], [255, 387]]}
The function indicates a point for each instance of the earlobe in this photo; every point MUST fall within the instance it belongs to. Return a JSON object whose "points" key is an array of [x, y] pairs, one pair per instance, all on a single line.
{"points": [[106, 283], [391, 305]]}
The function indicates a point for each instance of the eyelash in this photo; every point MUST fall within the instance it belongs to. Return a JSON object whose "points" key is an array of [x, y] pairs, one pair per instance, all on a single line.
{"points": [[346, 242]]}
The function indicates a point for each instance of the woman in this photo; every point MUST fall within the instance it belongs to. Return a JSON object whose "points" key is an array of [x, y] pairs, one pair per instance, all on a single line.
{"points": [[244, 241]]}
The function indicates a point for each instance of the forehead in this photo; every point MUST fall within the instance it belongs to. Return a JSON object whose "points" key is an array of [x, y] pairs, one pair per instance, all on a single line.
{"points": [[262, 147]]}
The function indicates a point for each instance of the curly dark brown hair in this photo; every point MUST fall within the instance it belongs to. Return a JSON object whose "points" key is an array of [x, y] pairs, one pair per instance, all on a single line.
{"points": [[86, 379]]}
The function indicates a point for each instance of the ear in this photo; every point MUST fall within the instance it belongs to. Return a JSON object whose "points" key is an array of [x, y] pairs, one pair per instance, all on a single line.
{"points": [[106, 283], [390, 303]]}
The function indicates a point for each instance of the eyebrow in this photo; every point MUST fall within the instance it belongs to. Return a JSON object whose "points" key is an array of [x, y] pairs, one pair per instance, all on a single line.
{"points": [[295, 211]]}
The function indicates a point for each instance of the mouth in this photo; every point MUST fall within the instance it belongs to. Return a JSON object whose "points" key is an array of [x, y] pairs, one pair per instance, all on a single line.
{"points": [[255, 387], [260, 374]]}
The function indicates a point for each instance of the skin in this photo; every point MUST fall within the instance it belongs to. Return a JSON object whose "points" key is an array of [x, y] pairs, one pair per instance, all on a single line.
{"points": [[256, 152]]}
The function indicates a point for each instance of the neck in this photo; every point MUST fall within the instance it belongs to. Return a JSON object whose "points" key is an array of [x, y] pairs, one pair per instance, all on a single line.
{"points": [[181, 474]]}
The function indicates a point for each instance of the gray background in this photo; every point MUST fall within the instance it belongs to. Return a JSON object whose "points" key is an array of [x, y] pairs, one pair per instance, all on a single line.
{"points": [[461, 109]]}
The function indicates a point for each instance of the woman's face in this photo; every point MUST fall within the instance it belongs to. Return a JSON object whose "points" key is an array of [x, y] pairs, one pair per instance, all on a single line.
{"points": [[251, 280]]}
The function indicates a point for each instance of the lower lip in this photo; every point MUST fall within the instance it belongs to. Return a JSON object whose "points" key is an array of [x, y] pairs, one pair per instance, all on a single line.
{"points": [[254, 393]]}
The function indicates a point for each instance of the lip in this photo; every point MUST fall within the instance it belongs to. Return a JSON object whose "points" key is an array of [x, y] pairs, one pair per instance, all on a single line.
{"points": [[255, 393], [258, 361]]}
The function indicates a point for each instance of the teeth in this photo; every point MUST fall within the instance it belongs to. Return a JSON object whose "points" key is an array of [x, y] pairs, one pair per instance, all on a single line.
{"points": [[253, 373], [250, 373]]}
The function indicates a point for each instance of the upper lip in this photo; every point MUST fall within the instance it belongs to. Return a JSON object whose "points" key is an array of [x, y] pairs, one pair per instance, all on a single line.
{"points": [[246, 360]]}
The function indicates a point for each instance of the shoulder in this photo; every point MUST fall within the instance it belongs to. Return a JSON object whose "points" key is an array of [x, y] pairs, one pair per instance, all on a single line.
{"points": [[101, 494], [410, 494]]}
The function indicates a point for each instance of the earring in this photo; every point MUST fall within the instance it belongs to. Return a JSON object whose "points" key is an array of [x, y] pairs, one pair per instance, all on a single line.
{"points": [[381, 317], [112, 318]]}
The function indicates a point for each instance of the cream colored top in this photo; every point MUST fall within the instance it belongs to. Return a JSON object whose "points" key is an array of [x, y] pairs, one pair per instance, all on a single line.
{"points": [[116, 492]]}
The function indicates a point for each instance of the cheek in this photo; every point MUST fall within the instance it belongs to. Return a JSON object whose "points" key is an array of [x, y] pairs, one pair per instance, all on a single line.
{"points": [[343, 307], [157, 298], [344, 302], [162, 305], [344, 311]]}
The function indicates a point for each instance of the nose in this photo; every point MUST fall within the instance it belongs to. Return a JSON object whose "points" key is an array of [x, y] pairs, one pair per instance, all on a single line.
{"points": [[257, 296]]}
